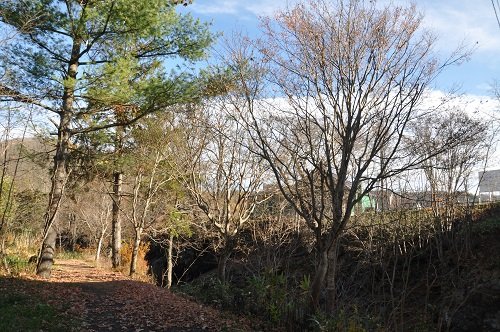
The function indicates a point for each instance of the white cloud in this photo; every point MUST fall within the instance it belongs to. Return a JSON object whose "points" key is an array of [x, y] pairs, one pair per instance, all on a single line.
{"points": [[239, 8], [486, 87], [477, 106], [454, 21], [457, 21], [216, 7], [266, 7]]}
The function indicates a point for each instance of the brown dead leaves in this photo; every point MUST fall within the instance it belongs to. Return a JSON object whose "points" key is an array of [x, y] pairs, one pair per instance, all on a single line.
{"points": [[103, 300]]}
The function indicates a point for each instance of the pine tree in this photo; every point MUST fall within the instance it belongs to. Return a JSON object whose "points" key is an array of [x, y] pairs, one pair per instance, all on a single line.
{"points": [[95, 64]]}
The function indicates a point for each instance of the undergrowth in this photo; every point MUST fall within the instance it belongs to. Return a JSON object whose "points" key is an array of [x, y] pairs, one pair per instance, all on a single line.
{"points": [[281, 299], [19, 264], [63, 254], [276, 300]]}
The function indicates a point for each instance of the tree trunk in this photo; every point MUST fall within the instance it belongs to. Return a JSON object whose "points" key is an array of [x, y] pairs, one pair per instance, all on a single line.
{"points": [[319, 279], [60, 241], [116, 222], [222, 265], [170, 264], [135, 251], [72, 227], [99, 246], [60, 173], [46, 259], [331, 287], [59, 178], [3, 254]]}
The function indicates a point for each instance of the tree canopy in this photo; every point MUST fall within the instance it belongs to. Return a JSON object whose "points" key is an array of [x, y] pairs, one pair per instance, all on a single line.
{"points": [[95, 64], [118, 50]]}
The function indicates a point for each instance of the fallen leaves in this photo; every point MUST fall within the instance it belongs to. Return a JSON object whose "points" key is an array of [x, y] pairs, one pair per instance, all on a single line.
{"points": [[102, 300]]}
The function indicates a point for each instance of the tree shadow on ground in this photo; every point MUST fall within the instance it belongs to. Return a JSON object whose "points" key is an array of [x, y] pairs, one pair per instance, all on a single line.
{"points": [[117, 305]]}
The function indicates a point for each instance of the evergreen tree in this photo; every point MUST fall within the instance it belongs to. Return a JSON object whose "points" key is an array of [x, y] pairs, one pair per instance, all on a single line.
{"points": [[95, 64]]}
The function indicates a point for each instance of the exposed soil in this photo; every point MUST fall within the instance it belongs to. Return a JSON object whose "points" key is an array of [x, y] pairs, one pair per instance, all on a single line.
{"points": [[101, 300]]}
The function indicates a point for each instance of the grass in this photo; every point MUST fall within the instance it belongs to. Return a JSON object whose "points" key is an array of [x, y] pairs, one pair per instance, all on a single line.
{"points": [[18, 264], [19, 312]]}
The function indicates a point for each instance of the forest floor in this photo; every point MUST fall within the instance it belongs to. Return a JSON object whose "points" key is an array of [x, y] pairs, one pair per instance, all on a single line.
{"points": [[81, 297]]}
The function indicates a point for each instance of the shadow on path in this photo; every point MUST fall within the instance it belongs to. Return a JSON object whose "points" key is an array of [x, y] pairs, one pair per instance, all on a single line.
{"points": [[101, 300]]}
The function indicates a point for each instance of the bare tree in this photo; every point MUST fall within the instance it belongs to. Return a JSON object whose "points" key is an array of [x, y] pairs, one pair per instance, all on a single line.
{"points": [[94, 209], [13, 131], [351, 75], [448, 173], [149, 165], [10, 130], [221, 174]]}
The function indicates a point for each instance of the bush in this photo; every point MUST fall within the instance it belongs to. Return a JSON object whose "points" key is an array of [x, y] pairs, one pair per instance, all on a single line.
{"points": [[267, 293], [208, 289]]}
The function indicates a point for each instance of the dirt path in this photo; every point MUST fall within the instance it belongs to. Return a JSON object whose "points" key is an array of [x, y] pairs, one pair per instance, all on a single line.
{"points": [[102, 300]]}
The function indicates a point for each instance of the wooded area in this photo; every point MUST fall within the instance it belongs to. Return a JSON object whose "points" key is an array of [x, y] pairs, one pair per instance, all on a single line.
{"points": [[300, 177]]}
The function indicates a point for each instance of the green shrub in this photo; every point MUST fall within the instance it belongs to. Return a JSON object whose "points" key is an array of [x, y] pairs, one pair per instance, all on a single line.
{"points": [[268, 293], [211, 291]]}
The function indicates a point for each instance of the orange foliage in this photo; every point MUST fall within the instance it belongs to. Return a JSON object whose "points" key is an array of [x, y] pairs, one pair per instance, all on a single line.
{"points": [[126, 253]]}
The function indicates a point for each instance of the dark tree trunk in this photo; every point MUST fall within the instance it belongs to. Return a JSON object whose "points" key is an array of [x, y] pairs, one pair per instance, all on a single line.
{"points": [[222, 265], [116, 222], [59, 178], [74, 234], [116, 226], [72, 227], [319, 279], [331, 282]]}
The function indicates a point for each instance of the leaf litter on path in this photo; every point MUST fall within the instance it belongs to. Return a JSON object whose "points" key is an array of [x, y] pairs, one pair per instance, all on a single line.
{"points": [[102, 300]]}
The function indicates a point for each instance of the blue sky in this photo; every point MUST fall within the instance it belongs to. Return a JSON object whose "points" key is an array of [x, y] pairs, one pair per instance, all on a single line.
{"points": [[453, 21]]}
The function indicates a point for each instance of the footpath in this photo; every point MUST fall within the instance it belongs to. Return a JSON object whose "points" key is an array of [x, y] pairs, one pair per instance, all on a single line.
{"points": [[100, 300]]}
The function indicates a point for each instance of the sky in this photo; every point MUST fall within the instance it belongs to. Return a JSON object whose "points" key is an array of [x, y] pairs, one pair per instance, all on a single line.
{"points": [[472, 22], [454, 22]]}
